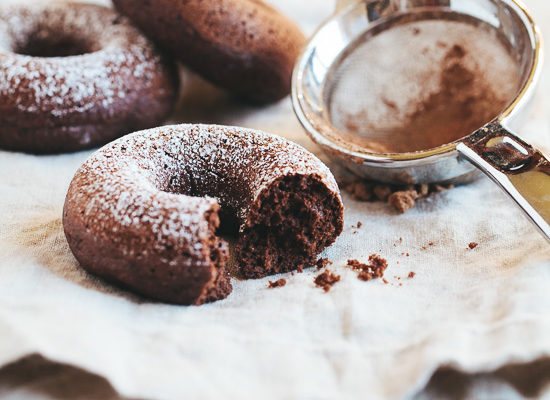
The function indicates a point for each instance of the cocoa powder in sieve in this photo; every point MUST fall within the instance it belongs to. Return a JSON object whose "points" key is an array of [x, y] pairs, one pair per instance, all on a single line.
{"points": [[422, 85], [462, 104]]}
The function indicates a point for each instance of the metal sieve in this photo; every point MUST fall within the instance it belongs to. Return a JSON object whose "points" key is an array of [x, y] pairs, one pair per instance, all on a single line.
{"points": [[342, 76]]}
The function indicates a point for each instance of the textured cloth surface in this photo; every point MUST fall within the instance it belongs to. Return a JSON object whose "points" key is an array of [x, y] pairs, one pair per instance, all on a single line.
{"points": [[476, 310]]}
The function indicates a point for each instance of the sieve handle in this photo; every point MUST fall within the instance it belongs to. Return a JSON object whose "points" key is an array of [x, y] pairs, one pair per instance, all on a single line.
{"points": [[517, 167]]}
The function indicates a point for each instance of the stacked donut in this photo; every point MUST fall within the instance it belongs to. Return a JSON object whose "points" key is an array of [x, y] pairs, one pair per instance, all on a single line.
{"points": [[73, 76], [144, 210]]}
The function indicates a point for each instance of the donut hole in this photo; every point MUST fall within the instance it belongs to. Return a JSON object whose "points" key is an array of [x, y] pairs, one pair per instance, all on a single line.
{"points": [[295, 220], [45, 44]]}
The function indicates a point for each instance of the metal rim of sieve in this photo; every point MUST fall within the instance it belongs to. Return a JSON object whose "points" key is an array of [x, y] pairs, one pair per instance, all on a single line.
{"points": [[320, 129]]}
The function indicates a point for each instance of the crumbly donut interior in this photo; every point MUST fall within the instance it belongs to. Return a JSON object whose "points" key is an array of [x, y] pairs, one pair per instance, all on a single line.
{"points": [[290, 223], [219, 285]]}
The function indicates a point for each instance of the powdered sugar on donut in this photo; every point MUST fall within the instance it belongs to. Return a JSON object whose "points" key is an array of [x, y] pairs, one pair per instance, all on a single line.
{"points": [[117, 56], [165, 179]]}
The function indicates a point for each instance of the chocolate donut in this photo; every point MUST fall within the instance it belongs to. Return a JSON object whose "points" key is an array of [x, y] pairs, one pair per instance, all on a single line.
{"points": [[244, 46], [73, 76], [143, 211]]}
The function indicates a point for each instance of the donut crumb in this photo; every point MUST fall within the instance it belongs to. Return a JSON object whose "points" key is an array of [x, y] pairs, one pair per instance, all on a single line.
{"points": [[326, 280], [278, 283], [473, 245], [403, 201], [323, 263], [373, 270]]}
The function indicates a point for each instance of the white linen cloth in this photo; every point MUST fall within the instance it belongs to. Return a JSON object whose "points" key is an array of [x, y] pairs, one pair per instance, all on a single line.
{"points": [[474, 309]]}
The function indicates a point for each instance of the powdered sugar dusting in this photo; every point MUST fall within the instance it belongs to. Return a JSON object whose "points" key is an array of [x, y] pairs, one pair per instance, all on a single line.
{"points": [[163, 181], [73, 86]]}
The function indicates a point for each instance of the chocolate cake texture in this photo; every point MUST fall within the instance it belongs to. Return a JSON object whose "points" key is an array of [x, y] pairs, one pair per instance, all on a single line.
{"points": [[244, 46]]}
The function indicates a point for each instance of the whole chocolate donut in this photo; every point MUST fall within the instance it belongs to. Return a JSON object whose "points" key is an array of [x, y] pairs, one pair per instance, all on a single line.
{"points": [[143, 211], [244, 46], [73, 76]]}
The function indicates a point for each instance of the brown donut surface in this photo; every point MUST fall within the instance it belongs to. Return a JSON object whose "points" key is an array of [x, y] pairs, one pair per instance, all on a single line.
{"points": [[244, 46], [143, 211], [73, 76]]}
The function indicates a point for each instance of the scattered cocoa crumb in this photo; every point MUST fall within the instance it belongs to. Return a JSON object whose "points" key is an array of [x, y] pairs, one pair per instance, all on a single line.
{"points": [[373, 270], [403, 201], [385, 281], [407, 254], [401, 197], [473, 245], [355, 264], [300, 269], [323, 263], [412, 274], [279, 283], [359, 190], [359, 224], [382, 192], [400, 284], [326, 280], [431, 244]]}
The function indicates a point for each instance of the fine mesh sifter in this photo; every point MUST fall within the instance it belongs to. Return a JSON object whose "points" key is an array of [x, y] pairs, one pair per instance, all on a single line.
{"points": [[372, 84]]}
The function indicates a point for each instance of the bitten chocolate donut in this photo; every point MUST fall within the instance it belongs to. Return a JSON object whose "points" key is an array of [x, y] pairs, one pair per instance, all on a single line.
{"points": [[244, 46], [73, 76], [143, 211]]}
